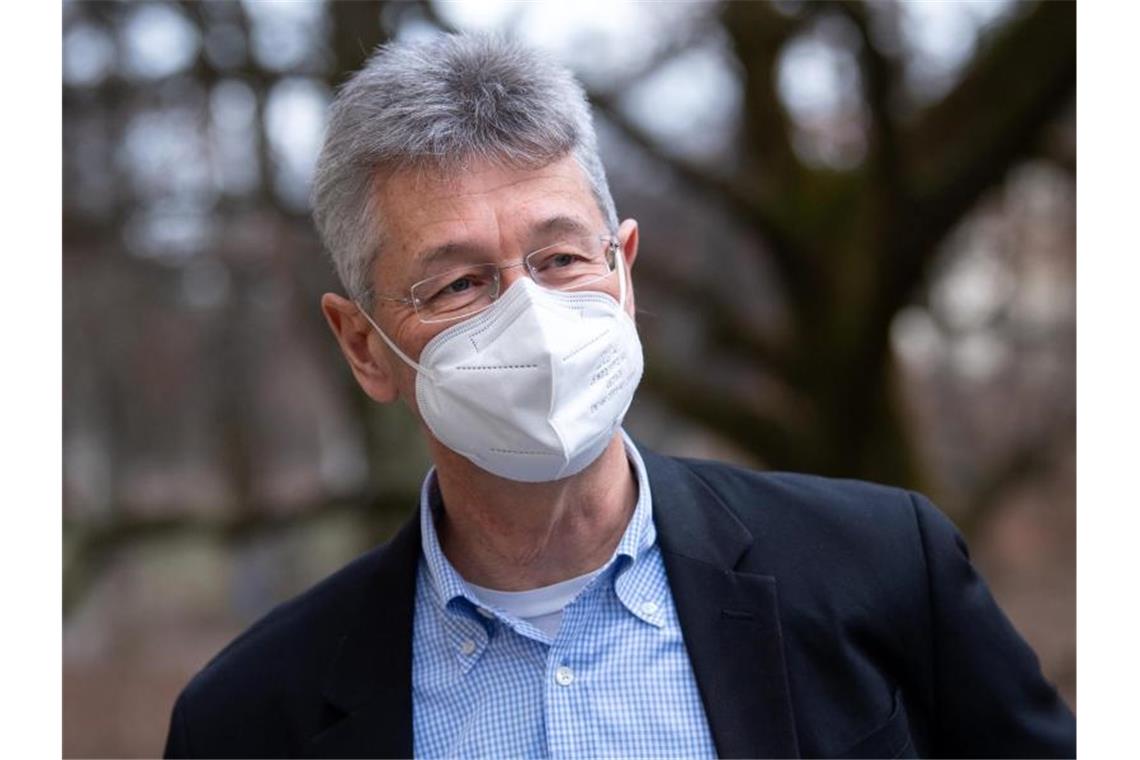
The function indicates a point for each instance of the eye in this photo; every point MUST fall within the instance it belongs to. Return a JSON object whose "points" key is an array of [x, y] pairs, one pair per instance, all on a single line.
{"points": [[458, 286], [554, 260], [562, 260]]}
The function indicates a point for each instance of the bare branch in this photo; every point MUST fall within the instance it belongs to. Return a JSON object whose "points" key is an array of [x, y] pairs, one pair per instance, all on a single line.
{"points": [[1014, 91], [726, 326], [736, 420], [356, 33], [693, 36], [1012, 95], [759, 32], [793, 265], [880, 76]]}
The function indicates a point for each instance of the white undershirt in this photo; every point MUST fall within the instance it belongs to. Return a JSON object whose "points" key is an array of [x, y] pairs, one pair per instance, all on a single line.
{"points": [[541, 607]]}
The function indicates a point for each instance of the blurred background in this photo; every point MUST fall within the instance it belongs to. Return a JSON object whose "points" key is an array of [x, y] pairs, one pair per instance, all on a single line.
{"points": [[858, 259]]}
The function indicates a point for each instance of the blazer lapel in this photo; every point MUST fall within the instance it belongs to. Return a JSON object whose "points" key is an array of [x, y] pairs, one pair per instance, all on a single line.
{"points": [[370, 683], [730, 620]]}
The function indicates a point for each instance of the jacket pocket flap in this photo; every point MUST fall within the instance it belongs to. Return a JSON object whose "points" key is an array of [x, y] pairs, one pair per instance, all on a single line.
{"points": [[890, 740]]}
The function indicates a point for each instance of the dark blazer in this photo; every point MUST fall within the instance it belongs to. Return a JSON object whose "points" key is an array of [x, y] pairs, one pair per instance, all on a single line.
{"points": [[822, 618]]}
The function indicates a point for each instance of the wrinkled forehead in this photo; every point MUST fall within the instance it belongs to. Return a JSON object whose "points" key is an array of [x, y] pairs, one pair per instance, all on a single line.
{"points": [[483, 209]]}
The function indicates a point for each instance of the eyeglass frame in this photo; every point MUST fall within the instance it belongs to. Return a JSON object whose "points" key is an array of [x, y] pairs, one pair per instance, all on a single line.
{"points": [[613, 248]]}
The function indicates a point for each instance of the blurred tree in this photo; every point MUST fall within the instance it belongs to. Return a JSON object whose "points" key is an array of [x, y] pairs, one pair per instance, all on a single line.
{"points": [[848, 247], [116, 234], [817, 291], [851, 248]]}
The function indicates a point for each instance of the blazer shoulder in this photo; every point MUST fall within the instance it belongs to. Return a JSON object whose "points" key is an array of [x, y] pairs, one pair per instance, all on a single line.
{"points": [[753, 494], [312, 612], [303, 632], [265, 694], [867, 530]]}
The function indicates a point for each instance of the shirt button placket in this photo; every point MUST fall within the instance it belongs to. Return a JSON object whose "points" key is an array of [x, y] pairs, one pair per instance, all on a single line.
{"points": [[560, 709]]}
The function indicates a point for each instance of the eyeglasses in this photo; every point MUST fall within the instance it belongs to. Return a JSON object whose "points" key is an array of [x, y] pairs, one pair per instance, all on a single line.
{"points": [[468, 290]]}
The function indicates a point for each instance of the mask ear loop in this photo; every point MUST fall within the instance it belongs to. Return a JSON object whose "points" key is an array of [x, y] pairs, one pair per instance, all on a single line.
{"points": [[407, 359], [620, 254]]}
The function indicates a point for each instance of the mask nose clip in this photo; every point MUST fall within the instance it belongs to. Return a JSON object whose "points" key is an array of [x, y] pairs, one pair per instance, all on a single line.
{"points": [[512, 273]]}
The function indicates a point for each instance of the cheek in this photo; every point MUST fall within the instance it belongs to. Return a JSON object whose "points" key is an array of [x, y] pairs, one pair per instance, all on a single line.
{"points": [[405, 377], [411, 336]]}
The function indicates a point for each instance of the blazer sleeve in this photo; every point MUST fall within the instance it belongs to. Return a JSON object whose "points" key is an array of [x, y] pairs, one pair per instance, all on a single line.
{"points": [[989, 698]]}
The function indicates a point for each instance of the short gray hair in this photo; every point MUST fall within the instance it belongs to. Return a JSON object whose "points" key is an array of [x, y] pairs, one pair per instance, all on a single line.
{"points": [[439, 104]]}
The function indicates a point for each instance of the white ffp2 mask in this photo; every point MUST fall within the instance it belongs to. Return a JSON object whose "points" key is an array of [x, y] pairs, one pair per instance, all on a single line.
{"points": [[533, 387]]}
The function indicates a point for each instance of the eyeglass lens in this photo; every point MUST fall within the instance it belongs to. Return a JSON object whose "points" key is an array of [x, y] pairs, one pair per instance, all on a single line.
{"points": [[464, 291]]}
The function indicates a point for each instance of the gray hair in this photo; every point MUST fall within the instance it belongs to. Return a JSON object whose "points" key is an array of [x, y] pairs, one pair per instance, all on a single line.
{"points": [[439, 104]]}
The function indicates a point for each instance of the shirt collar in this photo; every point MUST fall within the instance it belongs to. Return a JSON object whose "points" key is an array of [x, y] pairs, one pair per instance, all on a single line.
{"points": [[445, 580], [640, 533]]}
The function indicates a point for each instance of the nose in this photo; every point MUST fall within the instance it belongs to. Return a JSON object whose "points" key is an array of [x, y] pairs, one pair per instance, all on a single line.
{"points": [[511, 274]]}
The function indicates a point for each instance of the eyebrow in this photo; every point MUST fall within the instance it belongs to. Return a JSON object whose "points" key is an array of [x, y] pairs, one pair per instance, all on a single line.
{"points": [[447, 252], [561, 224], [460, 250]]}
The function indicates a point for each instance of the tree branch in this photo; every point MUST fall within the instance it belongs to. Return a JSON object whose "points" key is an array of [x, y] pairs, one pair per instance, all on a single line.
{"points": [[726, 327], [787, 252], [758, 34], [1017, 88], [735, 419], [1022, 84], [880, 75], [691, 37]]}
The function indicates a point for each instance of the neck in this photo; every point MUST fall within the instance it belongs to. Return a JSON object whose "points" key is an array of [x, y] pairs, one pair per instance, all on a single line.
{"points": [[514, 536]]}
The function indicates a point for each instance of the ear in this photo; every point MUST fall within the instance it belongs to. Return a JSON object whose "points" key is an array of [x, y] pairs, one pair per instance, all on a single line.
{"points": [[627, 235], [370, 365]]}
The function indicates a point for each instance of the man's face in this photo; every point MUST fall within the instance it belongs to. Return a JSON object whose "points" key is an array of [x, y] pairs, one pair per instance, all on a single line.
{"points": [[486, 213]]}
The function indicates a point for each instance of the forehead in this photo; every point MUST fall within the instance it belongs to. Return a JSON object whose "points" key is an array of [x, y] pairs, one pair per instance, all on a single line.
{"points": [[481, 205]]}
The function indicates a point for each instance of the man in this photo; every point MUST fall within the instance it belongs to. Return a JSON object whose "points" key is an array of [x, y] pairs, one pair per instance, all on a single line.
{"points": [[562, 590]]}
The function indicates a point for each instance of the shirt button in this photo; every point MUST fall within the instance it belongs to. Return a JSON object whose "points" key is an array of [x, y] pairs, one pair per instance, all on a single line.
{"points": [[564, 676], [649, 608], [467, 647]]}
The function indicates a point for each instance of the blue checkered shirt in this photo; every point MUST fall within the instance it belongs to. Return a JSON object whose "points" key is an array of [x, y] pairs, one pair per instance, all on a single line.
{"points": [[614, 682]]}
